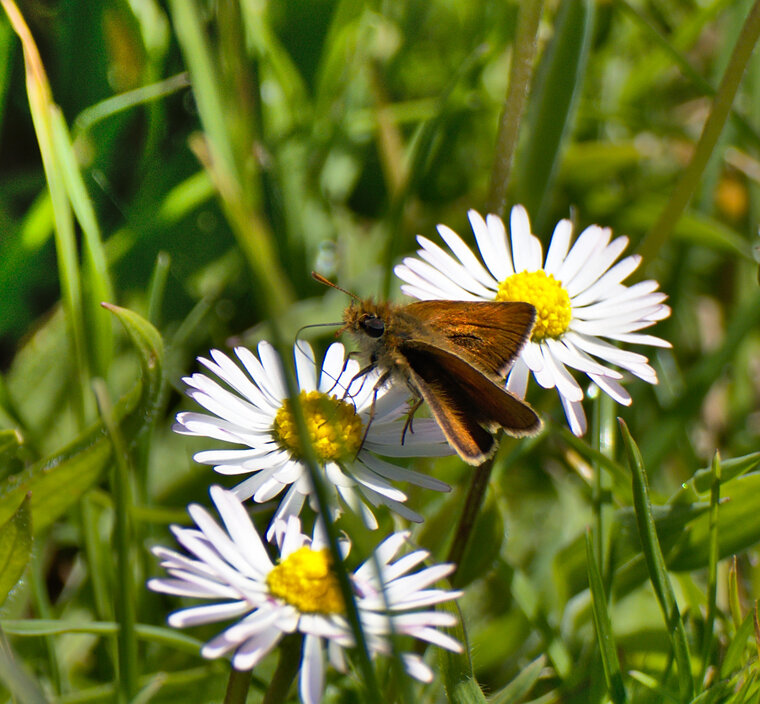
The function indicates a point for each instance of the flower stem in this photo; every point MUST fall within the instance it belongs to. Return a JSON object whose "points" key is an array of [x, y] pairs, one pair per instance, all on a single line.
{"points": [[721, 109], [124, 602], [520, 74], [477, 491], [237, 686], [287, 669]]}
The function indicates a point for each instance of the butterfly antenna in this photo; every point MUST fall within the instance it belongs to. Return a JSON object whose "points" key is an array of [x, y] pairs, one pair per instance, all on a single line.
{"points": [[321, 279]]}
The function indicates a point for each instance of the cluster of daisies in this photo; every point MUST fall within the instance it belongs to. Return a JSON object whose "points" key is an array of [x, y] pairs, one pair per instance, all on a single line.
{"points": [[579, 299]]}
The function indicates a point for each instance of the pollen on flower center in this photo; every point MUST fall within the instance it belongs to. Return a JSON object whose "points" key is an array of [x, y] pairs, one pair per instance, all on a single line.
{"points": [[551, 300], [305, 579], [335, 429]]}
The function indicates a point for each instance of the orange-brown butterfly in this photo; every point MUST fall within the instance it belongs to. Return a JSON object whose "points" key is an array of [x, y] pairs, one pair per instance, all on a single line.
{"points": [[453, 355]]}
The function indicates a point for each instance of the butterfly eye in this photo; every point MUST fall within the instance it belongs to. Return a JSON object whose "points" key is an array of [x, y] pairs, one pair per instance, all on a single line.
{"points": [[373, 326]]}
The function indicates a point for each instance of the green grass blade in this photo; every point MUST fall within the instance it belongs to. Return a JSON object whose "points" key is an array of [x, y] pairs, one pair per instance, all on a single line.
{"points": [[657, 569], [96, 284], [456, 668], [23, 687], [603, 626], [521, 685], [712, 568], [737, 648], [555, 93], [42, 108], [15, 547]]}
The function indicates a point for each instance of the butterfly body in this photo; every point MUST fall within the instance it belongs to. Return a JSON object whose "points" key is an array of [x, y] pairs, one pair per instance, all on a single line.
{"points": [[454, 356]]}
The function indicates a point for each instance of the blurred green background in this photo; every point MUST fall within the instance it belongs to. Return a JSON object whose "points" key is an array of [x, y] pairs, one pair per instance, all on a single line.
{"points": [[194, 161]]}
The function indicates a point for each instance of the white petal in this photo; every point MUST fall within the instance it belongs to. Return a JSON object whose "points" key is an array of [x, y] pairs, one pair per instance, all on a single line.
{"points": [[563, 380], [240, 528], [575, 415], [517, 381], [491, 238], [305, 366], [268, 377], [208, 613], [469, 274], [595, 267], [416, 667], [499, 259], [612, 388], [401, 474], [564, 351], [526, 248], [614, 276], [589, 242], [252, 651], [311, 682], [448, 289], [332, 367], [558, 247], [416, 286]]}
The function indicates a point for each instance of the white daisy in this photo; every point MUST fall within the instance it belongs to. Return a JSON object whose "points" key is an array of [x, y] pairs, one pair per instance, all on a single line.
{"points": [[577, 292], [299, 594], [256, 413]]}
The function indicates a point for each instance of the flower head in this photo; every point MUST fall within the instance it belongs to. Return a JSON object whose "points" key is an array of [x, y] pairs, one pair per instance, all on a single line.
{"points": [[577, 292], [256, 413], [299, 593]]}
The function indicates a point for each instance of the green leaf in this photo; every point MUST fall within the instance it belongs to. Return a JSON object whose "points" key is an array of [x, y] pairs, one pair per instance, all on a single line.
{"points": [[655, 563], [456, 668], [738, 526], [150, 348], [10, 442], [57, 481], [603, 626], [737, 648], [96, 284], [15, 548], [19, 682], [521, 685], [702, 479]]}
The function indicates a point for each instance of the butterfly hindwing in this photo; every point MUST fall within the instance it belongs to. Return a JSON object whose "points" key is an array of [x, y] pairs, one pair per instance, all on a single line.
{"points": [[465, 393]]}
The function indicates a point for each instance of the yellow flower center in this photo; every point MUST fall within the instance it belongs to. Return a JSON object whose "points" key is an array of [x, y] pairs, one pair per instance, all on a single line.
{"points": [[335, 430], [305, 579], [551, 300]]}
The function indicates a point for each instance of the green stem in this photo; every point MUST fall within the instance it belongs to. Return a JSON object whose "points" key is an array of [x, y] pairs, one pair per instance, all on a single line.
{"points": [[124, 600], [520, 74], [287, 669], [475, 494], [721, 109], [237, 687]]}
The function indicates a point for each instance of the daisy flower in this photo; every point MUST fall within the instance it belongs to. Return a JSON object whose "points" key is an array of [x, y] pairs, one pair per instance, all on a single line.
{"points": [[577, 292], [229, 566], [255, 412]]}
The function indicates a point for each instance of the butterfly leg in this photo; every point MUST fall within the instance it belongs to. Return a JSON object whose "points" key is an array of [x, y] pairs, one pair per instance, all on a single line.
{"points": [[410, 416], [362, 373], [378, 385]]}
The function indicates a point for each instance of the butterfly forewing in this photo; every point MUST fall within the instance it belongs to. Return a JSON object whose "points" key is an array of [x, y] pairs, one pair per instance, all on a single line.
{"points": [[489, 333]]}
